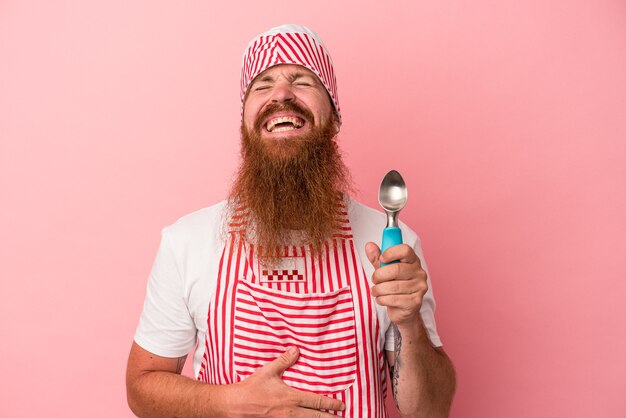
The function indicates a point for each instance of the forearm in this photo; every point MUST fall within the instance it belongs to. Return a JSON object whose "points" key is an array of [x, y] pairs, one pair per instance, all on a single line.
{"points": [[164, 394], [423, 379]]}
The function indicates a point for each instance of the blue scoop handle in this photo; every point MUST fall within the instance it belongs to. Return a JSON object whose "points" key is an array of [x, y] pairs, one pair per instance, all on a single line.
{"points": [[392, 235]]}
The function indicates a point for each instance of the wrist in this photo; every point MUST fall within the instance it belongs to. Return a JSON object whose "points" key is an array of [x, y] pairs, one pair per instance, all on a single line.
{"points": [[414, 330], [222, 400]]}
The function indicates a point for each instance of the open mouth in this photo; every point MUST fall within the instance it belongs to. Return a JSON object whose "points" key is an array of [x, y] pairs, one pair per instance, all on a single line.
{"points": [[284, 123]]}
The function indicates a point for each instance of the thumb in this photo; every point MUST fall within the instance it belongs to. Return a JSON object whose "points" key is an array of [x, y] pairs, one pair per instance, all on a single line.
{"points": [[283, 362], [373, 254]]}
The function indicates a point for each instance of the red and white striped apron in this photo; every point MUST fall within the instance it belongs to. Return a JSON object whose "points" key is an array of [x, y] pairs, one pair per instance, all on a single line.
{"points": [[320, 304]]}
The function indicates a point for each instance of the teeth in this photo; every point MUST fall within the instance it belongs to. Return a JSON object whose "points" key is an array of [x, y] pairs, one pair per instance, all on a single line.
{"points": [[296, 122], [284, 128]]}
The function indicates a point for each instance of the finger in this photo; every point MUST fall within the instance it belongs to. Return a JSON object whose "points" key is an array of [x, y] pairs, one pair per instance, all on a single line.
{"points": [[283, 362], [313, 401], [373, 254], [404, 302], [402, 252], [313, 413], [399, 287], [398, 271]]}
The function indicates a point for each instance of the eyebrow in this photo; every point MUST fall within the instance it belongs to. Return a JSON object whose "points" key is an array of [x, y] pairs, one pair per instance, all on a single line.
{"points": [[292, 77], [298, 75]]}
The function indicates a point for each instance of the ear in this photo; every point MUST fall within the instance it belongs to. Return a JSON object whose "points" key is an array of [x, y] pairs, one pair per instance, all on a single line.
{"points": [[336, 121]]}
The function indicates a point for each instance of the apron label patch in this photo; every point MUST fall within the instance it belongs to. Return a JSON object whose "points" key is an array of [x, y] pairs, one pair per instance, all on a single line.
{"points": [[290, 270]]}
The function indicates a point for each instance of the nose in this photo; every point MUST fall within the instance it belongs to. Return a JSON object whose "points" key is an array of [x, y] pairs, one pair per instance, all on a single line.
{"points": [[282, 92]]}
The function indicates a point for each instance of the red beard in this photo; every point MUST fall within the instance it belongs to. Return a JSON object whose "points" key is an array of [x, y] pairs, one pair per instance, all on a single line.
{"points": [[290, 184]]}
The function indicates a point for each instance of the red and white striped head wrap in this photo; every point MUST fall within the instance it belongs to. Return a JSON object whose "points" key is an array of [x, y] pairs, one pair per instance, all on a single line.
{"points": [[289, 44]]}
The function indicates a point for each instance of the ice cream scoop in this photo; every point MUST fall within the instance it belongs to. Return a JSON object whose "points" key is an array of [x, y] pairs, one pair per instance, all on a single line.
{"points": [[392, 196]]}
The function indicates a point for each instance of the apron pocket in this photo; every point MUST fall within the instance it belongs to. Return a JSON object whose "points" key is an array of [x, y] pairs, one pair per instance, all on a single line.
{"points": [[321, 325]]}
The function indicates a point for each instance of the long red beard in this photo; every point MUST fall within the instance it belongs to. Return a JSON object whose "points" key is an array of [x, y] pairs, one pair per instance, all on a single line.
{"points": [[290, 185]]}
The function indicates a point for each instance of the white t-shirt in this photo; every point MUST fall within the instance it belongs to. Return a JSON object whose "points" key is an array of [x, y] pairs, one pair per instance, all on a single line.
{"points": [[183, 280]]}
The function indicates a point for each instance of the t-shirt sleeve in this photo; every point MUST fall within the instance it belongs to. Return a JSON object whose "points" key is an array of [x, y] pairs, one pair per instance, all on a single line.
{"points": [[427, 310], [166, 327]]}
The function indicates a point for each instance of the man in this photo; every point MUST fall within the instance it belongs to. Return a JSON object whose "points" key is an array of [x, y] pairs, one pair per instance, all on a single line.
{"points": [[270, 284]]}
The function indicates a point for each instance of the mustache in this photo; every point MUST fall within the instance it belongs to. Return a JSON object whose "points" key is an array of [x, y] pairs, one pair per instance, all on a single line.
{"points": [[306, 114]]}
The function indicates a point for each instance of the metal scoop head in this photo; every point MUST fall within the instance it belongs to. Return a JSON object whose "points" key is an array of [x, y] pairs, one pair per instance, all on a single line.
{"points": [[392, 196]]}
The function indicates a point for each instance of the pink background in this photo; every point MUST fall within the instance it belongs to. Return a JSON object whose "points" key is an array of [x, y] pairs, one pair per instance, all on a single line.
{"points": [[507, 119]]}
